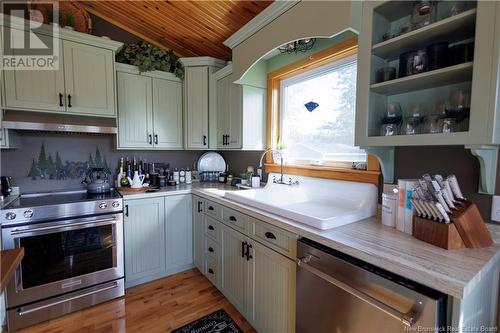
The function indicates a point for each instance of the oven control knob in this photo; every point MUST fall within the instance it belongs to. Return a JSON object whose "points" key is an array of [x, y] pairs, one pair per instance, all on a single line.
{"points": [[10, 215], [28, 213], [116, 204], [103, 205]]}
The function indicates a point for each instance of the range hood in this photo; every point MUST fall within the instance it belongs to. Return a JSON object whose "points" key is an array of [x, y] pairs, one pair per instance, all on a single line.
{"points": [[35, 121]]}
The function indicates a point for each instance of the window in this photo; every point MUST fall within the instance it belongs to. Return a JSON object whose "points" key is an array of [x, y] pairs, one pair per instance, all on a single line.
{"points": [[317, 115], [319, 143]]}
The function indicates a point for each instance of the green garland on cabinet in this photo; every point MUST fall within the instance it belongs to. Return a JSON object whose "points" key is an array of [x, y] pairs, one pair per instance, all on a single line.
{"points": [[149, 57]]}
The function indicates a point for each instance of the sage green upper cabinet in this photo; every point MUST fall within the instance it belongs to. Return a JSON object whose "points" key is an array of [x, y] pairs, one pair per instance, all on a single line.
{"points": [[89, 79], [35, 90], [429, 92], [135, 111], [229, 114], [179, 232], [149, 109], [83, 84], [196, 85], [197, 100], [240, 112], [167, 113], [145, 246]]}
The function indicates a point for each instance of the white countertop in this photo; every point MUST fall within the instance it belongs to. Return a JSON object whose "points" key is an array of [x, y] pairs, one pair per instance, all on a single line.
{"points": [[454, 272]]}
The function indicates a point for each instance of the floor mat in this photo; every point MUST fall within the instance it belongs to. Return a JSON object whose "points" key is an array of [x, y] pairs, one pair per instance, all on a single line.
{"points": [[216, 322]]}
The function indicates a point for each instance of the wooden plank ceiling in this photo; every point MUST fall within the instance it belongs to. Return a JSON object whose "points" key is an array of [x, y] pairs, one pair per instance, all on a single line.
{"points": [[189, 28]]}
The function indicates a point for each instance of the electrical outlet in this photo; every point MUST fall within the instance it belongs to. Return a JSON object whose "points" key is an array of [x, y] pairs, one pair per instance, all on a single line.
{"points": [[495, 208]]}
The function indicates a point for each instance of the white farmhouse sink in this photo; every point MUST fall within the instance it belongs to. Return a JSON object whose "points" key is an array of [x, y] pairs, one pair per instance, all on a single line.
{"points": [[320, 203]]}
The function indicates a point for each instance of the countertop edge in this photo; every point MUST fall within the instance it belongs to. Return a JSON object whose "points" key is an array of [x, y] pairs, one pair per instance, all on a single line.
{"points": [[455, 288]]}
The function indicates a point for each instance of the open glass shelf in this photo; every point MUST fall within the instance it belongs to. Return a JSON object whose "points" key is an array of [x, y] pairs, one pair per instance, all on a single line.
{"points": [[421, 69]]}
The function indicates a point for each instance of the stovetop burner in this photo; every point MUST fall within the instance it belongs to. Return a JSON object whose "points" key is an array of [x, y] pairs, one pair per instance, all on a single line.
{"points": [[57, 198], [39, 207]]}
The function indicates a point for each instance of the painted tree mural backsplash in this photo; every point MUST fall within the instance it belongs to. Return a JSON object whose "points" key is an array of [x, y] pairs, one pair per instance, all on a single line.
{"points": [[46, 166]]}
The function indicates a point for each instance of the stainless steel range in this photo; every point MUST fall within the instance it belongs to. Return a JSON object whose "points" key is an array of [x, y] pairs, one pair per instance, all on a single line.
{"points": [[73, 244]]}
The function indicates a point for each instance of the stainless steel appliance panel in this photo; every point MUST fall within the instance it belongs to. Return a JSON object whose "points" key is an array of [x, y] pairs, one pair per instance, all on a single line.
{"points": [[336, 294], [55, 307], [67, 267]]}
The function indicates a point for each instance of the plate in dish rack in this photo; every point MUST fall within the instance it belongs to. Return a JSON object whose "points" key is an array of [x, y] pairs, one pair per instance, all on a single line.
{"points": [[211, 161]]}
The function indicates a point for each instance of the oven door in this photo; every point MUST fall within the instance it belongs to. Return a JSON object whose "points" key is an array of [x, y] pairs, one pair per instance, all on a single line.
{"points": [[64, 256]]}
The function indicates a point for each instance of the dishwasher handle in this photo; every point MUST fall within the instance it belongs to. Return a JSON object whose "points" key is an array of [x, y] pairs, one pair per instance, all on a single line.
{"points": [[407, 319]]}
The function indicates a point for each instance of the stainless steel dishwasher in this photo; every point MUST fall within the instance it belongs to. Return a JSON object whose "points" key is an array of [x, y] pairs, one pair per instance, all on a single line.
{"points": [[337, 293]]}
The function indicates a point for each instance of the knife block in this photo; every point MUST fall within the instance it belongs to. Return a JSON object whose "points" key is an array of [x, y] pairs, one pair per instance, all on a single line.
{"points": [[466, 230]]}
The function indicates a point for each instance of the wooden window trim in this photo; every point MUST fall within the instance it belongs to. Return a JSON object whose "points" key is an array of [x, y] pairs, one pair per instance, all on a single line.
{"points": [[336, 52]]}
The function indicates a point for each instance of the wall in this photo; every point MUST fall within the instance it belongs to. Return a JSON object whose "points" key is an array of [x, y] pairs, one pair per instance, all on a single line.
{"points": [[412, 162], [284, 59], [72, 148], [77, 147], [306, 19], [103, 28]]}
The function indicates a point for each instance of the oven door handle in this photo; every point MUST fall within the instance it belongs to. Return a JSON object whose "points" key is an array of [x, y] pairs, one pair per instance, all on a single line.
{"points": [[22, 313], [407, 319], [72, 226]]}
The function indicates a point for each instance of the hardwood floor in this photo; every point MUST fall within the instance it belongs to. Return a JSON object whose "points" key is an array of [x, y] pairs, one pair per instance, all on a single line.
{"points": [[158, 306]]}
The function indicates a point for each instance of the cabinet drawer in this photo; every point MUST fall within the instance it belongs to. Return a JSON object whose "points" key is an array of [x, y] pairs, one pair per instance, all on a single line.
{"points": [[212, 270], [275, 238], [212, 228], [211, 248], [235, 219], [212, 209]]}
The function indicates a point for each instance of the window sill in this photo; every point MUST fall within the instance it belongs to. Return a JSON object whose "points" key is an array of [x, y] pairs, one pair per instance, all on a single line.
{"points": [[363, 176]]}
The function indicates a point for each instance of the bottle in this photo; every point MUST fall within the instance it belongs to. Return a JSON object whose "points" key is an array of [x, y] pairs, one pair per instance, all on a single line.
{"points": [[176, 176], [189, 176], [120, 174]]}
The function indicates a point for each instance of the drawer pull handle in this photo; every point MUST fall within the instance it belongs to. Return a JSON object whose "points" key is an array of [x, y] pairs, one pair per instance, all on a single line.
{"points": [[270, 235], [232, 218], [211, 249], [210, 227], [210, 208], [211, 271]]}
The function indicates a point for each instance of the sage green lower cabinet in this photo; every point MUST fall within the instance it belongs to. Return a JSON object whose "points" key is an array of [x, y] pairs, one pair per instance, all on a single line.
{"points": [[158, 237], [198, 233], [236, 274], [179, 233], [273, 290], [261, 285], [144, 224]]}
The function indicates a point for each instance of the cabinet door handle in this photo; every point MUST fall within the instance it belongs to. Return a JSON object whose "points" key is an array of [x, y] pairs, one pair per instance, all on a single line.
{"points": [[223, 139], [211, 249], [210, 208], [211, 271], [150, 139], [270, 235], [210, 227], [61, 100], [243, 246], [199, 206], [126, 210], [156, 139], [69, 101], [204, 140], [249, 256], [227, 139], [232, 218]]}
